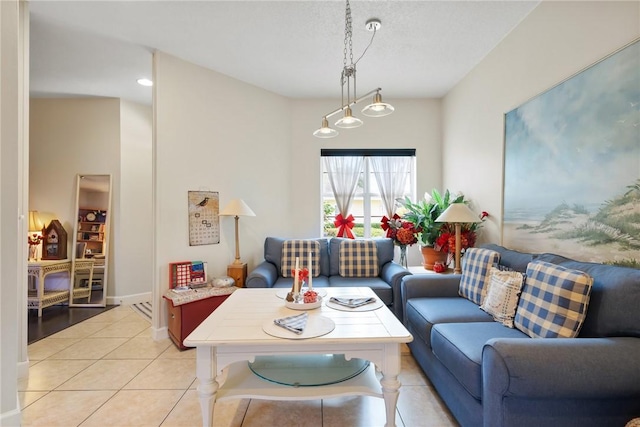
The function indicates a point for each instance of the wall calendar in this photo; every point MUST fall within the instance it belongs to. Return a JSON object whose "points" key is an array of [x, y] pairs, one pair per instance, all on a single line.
{"points": [[204, 223]]}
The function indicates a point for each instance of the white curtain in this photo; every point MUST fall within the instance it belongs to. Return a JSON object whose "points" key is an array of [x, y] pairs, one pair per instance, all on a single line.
{"points": [[391, 176], [343, 173]]}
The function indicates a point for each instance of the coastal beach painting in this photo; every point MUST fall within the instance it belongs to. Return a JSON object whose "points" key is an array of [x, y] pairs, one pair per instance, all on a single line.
{"points": [[572, 166]]}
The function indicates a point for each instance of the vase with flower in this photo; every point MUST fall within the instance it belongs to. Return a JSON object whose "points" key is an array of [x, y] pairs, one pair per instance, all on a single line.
{"points": [[34, 241], [403, 233]]}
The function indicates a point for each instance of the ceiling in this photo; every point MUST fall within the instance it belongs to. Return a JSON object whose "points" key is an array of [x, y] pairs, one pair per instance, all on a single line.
{"points": [[292, 48]]}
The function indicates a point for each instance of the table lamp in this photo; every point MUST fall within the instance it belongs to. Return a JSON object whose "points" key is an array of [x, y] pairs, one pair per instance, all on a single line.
{"points": [[458, 214], [237, 208], [35, 222]]}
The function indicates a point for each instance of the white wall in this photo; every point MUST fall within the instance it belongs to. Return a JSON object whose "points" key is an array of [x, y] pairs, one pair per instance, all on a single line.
{"points": [[134, 243], [98, 136], [219, 134], [214, 133], [68, 137], [414, 124], [14, 147], [557, 40]]}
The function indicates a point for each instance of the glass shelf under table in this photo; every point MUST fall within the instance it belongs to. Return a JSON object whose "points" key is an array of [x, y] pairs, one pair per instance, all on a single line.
{"points": [[307, 370]]}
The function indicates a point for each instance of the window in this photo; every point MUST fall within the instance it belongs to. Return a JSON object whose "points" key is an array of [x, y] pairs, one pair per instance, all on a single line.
{"points": [[369, 202]]}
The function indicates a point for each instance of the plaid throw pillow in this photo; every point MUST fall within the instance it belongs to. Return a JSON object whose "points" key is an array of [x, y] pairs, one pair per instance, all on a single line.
{"points": [[554, 301], [502, 296], [300, 248], [476, 264], [358, 258]]}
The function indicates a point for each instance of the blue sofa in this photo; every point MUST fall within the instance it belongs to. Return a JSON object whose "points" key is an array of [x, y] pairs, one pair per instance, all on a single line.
{"points": [[491, 375], [386, 285]]}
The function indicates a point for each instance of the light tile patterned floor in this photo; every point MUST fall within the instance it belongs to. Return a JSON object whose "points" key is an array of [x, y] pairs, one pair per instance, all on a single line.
{"points": [[108, 371]]}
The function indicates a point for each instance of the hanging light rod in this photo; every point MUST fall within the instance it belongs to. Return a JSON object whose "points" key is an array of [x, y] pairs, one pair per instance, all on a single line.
{"points": [[354, 102], [348, 78]]}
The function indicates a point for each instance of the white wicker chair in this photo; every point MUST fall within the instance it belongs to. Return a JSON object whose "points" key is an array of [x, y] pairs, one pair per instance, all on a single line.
{"points": [[83, 268]]}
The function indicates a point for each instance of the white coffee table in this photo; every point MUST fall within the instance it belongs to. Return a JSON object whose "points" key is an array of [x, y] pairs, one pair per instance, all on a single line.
{"points": [[233, 335]]}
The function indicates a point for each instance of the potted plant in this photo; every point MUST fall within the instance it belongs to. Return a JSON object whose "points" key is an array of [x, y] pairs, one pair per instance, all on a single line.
{"points": [[423, 215]]}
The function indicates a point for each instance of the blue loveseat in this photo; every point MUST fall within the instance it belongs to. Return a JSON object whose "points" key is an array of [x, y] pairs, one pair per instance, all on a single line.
{"points": [[386, 285], [491, 375]]}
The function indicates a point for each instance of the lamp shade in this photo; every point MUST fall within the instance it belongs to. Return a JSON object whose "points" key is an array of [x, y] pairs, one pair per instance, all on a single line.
{"points": [[237, 207], [325, 131], [348, 121], [35, 222], [378, 108], [458, 212]]}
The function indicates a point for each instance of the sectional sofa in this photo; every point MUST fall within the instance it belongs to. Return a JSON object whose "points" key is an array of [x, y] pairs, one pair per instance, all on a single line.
{"points": [[336, 262], [492, 375]]}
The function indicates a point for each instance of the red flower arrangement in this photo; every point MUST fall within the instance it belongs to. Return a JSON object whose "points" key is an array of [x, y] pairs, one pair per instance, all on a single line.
{"points": [[34, 239], [403, 233], [303, 274], [446, 242]]}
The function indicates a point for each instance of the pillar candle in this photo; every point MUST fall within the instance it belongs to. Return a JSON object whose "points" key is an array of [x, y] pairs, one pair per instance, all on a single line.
{"points": [[296, 284], [310, 271]]}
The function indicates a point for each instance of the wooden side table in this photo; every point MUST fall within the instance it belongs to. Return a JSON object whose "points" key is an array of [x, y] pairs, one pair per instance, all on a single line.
{"points": [[188, 309], [237, 272]]}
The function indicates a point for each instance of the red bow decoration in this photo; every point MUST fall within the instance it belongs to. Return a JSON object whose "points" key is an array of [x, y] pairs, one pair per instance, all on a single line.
{"points": [[385, 224], [345, 225]]}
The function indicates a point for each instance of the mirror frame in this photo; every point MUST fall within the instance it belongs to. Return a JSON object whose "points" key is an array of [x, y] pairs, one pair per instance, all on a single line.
{"points": [[80, 179]]}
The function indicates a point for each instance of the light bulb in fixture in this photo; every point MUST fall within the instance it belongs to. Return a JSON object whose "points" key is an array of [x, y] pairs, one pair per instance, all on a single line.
{"points": [[348, 121], [145, 82], [378, 108], [325, 131]]}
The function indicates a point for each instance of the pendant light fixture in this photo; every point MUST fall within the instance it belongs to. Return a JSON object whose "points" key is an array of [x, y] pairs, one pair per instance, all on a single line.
{"points": [[348, 83]]}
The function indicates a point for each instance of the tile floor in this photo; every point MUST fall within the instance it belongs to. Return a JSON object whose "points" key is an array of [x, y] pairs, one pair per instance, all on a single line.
{"points": [[108, 371]]}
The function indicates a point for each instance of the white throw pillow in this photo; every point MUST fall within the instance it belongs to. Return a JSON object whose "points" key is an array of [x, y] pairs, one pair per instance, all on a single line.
{"points": [[502, 298]]}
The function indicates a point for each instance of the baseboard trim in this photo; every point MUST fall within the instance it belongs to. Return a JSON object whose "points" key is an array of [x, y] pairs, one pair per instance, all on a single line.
{"points": [[129, 299], [11, 418], [159, 333], [23, 371]]}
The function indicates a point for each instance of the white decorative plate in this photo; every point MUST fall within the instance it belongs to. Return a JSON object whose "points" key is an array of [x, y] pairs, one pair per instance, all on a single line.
{"points": [[282, 292], [316, 327], [303, 306]]}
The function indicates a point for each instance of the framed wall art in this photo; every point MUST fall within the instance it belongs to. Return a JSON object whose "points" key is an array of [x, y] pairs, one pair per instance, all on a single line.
{"points": [[204, 223], [572, 166]]}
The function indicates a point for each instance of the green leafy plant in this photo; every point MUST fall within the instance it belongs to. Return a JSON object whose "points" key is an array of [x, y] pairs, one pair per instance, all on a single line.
{"points": [[423, 214]]}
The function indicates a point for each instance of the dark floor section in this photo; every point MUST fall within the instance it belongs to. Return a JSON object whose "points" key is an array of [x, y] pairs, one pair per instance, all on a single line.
{"points": [[58, 317]]}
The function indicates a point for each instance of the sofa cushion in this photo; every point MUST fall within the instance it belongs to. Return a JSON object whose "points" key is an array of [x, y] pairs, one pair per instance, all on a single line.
{"points": [[502, 297], [358, 258], [273, 253], [614, 306], [476, 264], [458, 346], [385, 253], [554, 301], [287, 282], [301, 249], [381, 288], [422, 313], [511, 259]]}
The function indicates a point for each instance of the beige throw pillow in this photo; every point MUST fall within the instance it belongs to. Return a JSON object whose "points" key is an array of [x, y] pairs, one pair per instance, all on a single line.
{"points": [[502, 298]]}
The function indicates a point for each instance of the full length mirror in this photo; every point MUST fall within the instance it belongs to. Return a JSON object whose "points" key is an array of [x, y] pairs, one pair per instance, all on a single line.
{"points": [[91, 241]]}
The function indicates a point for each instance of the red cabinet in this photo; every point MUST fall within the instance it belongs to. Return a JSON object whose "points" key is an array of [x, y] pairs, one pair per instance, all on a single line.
{"points": [[184, 317]]}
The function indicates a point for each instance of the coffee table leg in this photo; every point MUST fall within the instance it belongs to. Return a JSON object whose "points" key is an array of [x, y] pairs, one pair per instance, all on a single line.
{"points": [[389, 382], [206, 368]]}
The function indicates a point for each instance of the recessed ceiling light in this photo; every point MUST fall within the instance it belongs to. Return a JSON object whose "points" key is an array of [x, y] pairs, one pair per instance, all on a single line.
{"points": [[145, 82]]}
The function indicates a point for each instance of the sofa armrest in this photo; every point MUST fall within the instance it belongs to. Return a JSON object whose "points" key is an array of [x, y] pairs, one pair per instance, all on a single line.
{"points": [[263, 276], [558, 368], [429, 285], [392, 273]]}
